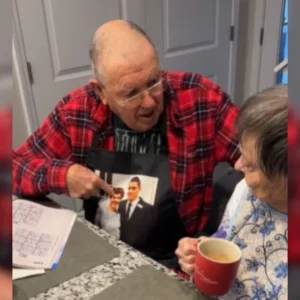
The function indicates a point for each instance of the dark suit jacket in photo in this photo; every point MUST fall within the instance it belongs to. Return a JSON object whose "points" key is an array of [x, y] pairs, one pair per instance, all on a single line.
{"points": [[134, 230]]}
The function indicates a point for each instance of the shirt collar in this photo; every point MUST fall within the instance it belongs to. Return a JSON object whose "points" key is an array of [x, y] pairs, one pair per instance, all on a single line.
{"points": [[133, 203]]}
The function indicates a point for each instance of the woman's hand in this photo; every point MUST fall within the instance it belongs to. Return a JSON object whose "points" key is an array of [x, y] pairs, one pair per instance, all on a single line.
{"points": [[186, 253], [5, 286]]}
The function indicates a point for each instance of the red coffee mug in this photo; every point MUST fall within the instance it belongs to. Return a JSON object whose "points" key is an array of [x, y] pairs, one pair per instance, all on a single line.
{"points": [[216, 266]]}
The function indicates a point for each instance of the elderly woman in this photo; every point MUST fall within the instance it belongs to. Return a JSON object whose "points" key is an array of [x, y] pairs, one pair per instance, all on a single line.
{"points": [[256, 215]]}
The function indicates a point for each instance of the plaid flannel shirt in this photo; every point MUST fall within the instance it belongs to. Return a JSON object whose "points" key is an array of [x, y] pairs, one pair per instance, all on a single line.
{"points": [[5, 189], [294, 187], [200, 120]]}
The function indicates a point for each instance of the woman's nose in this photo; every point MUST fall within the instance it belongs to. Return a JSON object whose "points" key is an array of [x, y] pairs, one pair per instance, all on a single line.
{"points": [[238, 165]]}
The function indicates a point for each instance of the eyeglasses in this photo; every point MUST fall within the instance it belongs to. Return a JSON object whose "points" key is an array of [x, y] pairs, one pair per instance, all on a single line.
{"points": [[154, 91]]}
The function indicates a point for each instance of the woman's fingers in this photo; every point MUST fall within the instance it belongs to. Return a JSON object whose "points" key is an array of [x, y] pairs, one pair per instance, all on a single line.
{"points": [[187, 268], [186, 253]]}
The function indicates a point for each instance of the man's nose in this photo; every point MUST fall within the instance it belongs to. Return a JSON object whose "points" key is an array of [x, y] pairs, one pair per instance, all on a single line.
{"points": [[148, 100]]}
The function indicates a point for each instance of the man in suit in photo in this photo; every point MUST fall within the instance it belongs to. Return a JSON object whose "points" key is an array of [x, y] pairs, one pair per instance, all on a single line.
{"points": [[135, 213]]}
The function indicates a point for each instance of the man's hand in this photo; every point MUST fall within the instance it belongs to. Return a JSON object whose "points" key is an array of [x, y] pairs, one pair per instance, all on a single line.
{"points": [[84, 183]]}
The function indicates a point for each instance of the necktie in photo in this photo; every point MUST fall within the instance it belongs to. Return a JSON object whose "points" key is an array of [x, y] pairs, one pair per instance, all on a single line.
{"points": [[128, 211]]}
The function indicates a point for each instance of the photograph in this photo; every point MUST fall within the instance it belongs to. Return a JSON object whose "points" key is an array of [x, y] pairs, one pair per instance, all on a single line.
{"points": [[136, 187], [134, 196]]}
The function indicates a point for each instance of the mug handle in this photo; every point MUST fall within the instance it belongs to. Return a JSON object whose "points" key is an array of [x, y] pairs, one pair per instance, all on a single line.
{"points": [[199, 240]]}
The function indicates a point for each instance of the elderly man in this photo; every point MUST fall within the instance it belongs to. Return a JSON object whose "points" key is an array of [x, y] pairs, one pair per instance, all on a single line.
{"points": [[133, 118]]}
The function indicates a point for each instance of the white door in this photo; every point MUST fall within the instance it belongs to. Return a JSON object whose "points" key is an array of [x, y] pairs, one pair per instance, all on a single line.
{"points": [[191, 35]]}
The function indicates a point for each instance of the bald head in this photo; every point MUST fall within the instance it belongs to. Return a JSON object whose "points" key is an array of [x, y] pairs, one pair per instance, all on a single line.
{"points": [[127, 74], [118, 41]]}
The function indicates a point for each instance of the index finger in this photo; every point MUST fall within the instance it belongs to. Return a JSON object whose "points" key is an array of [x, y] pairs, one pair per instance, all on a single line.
{"points": [[102, 185]]}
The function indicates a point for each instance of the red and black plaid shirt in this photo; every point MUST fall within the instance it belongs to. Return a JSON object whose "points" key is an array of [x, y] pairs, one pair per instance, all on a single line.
{"points": [[200, 121], [294, 187], [5, 188]]}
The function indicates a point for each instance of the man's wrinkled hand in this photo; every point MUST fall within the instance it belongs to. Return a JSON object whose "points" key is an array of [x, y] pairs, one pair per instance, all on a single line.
{"points": [[84, 183]]}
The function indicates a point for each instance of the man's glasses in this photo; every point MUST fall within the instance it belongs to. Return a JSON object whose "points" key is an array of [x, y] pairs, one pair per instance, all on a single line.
{"points": [[154, 91]]}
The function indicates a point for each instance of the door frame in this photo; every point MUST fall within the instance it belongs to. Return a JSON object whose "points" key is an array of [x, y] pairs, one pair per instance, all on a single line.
{"points": [[234, 46], [263, 58], [251, 54], [25, 88], [21, 74], [272, 40]]}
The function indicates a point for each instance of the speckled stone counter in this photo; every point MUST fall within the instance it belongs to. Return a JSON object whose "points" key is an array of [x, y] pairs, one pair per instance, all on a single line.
{"points": [[91, 283]]}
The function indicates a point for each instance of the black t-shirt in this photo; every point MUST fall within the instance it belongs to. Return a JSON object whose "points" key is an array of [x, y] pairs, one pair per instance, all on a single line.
{"points": [[152, 141]]}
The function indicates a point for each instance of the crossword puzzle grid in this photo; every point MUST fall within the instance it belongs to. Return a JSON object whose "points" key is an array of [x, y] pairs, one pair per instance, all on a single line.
{"points": [[29, 215], [28, 242], [31, 243]]}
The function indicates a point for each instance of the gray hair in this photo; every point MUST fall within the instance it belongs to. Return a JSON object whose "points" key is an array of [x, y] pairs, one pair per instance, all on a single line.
{"points": [[264, 115], [97, 48]]}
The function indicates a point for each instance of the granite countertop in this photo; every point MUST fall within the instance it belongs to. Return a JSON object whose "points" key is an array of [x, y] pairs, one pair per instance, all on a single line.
{"points": [[94, 281]]}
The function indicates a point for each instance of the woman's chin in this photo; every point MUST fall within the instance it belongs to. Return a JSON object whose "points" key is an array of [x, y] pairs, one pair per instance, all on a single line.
{"points": [[258, 194]]}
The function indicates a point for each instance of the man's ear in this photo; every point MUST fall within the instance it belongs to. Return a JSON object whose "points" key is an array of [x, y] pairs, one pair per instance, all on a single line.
{"points": [[98, 89]]}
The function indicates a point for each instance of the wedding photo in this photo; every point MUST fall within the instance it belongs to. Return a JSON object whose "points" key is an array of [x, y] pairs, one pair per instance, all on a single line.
{"points": [[136, 186]]}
